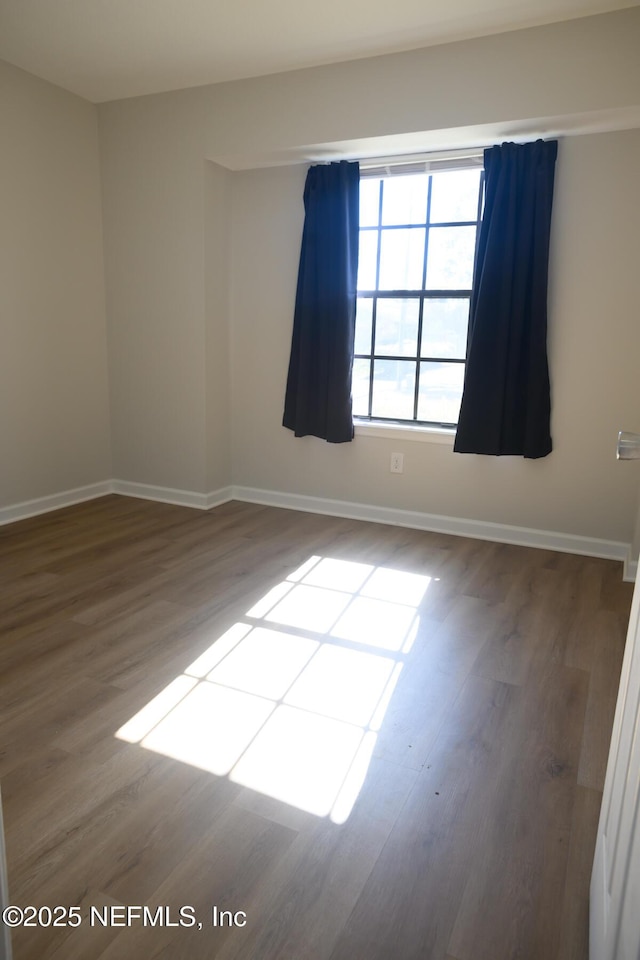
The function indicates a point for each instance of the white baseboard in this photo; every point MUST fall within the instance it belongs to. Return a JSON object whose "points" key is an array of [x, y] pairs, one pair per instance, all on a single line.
{"points": [[217, 497], [33, 508], [181, 498], [630, 568], [142, 491], [456, 526]]}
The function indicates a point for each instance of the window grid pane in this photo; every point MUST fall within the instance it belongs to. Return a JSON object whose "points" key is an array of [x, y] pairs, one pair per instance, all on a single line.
{"points": [[401, 259], [412, 317], [394, 389], [397, 327]]}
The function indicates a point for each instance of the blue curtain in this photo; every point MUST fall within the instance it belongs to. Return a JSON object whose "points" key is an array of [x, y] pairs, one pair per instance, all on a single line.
{"points": [[506, 405], [318, 394]]}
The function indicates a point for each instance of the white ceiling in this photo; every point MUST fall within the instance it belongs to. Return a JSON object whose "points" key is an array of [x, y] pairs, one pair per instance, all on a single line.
{"points": [[110, 49]]}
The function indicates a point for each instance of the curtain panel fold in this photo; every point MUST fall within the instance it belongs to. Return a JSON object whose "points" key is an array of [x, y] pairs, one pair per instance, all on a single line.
{"points": [[318, 393], [506, 405]]}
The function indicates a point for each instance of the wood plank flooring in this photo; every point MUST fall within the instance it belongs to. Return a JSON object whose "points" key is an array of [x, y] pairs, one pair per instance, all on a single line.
{"points": [[473, 739]]}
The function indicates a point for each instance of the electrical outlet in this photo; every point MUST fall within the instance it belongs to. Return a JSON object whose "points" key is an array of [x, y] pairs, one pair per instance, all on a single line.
{"points": [[397, 463]]}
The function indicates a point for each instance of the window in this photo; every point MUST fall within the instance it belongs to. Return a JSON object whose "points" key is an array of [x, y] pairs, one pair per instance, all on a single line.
{"points": [[417, 250]]}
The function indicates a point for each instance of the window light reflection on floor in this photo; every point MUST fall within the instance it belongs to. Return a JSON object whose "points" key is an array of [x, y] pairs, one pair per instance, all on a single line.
{"points": [[289, 701]]}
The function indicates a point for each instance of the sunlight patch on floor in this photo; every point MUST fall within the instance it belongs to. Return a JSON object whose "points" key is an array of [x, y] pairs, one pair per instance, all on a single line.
{"points": [[289, 701]]}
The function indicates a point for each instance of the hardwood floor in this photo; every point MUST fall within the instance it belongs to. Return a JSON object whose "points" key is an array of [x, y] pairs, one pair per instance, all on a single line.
{"points": [[397, 755]]}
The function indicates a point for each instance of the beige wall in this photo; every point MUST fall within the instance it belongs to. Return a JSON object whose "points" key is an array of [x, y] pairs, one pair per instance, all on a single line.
{"points": [[169, 312], [594, 345], [54, 418], [217, 265], [542, 79], [154, 235], [201, 262]]}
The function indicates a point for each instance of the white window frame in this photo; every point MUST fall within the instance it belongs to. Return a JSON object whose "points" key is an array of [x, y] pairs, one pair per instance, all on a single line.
{"points": [[399, 166]]}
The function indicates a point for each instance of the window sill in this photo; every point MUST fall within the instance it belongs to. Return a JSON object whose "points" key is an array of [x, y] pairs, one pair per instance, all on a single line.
{"points": [[396, 431]]}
